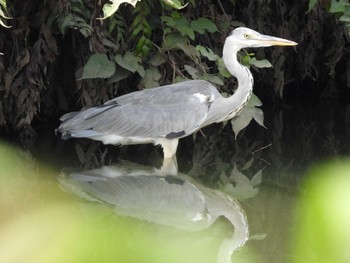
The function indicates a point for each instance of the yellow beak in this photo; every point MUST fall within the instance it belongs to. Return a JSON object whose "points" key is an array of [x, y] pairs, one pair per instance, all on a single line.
{"points": [[275, 41]]}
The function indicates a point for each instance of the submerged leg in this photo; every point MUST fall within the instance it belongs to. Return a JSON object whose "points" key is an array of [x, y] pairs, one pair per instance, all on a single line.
{"points": [[169, 147]]}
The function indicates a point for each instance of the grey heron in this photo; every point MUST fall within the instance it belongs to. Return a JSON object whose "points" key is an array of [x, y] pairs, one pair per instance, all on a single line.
{"points": [[165, 114]]}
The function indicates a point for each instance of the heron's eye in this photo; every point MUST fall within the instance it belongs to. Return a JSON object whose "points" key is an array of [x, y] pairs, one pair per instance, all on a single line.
{"points": [[246, 35]]}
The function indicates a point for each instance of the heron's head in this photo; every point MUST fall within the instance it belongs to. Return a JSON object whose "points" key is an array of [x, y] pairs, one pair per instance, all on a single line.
{"points": [[243, 37]]}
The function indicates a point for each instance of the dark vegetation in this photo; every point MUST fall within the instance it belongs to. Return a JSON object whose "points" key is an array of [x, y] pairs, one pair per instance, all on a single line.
{"points": [[58, 56]]}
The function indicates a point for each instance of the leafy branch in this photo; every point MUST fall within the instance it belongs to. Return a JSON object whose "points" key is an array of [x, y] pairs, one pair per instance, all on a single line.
{"points": [[110, 9], [3, 12], [341, 8]]}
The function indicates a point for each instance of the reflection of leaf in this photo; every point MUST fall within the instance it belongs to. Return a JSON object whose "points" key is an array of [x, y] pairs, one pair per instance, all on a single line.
{"points": [[249, 112], [258, 237], [248, 164], [98, 66], [238, 185], [257, 178]]}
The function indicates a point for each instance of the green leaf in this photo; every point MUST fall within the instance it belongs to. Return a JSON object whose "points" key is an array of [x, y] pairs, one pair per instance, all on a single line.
{"points": [[180, 21], [174, 4], [344, 18], [141, 71], [183, 26], [129, 61], [186, 31], [176, 41], [207, 52], [192, 71], [157, 59], [3, 11], [222, 69], [338, 6], [98, 66], [120, 74], [75, 22], [167, 20], [263, 63], [203, 24], [3, 15], [254, 101], [312, 4], [151, 78], [3, 3], [249, 112], [109, 9], [213, 78], [3, 24]]}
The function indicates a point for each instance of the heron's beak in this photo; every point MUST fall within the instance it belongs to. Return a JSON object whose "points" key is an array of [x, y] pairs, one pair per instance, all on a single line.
{"points": [[275, 41]]}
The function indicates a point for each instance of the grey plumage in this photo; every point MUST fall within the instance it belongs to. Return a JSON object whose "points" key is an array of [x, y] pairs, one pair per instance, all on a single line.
{"points": [[153, 113], [165, 114]]}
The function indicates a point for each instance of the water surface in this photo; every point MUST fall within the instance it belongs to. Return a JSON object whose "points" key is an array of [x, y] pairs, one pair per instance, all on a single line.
{"points": [[224, 200]]}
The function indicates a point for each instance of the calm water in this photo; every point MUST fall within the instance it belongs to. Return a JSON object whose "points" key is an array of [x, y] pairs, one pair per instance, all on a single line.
{"points": [[228, 200]]}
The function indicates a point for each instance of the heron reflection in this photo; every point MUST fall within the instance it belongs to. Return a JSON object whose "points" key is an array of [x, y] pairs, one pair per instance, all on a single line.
{"points": [[160, 196]]}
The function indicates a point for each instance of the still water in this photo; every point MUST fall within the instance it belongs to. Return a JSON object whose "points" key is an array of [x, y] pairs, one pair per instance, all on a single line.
{"points": [[222, 200]]}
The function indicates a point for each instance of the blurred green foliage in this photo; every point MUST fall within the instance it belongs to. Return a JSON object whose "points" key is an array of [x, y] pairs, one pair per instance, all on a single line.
{"points": [[40, 223], [322, 233]]}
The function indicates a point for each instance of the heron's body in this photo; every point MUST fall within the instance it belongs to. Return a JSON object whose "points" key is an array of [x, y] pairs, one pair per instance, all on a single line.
{"points": [[165, 114]]}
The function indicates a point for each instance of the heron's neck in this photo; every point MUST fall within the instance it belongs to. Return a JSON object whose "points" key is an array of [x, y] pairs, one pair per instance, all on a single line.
{"points": [[238, 219], [244, 77]]}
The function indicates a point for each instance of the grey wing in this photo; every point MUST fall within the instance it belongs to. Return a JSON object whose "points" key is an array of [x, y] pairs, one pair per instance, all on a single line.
{"points": [[166, 200], [167, 94], [139, 121]]}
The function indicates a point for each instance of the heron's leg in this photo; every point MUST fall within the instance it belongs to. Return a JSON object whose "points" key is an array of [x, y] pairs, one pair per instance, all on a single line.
{"points": [[169, 166], [169, 147]]}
